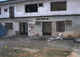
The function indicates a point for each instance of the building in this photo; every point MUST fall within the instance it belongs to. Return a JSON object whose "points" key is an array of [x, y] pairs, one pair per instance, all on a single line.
{"points": [[40, 17]]}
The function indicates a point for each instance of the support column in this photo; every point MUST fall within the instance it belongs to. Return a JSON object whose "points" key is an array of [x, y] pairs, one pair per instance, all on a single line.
{"points": [[53, 27], [35, 28], [30, 28], [16, 27]]}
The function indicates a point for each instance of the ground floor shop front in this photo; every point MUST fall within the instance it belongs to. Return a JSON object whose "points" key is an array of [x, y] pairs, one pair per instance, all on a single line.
{"points": [[43, 26]]}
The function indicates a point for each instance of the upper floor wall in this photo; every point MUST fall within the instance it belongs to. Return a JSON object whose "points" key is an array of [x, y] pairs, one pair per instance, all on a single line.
{"points": [[4, 11], [41, 8], [73, 7]]}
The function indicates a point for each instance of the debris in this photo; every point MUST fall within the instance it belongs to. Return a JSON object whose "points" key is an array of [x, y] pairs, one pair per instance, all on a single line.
{"points": [[73, 54], [27, 49]]}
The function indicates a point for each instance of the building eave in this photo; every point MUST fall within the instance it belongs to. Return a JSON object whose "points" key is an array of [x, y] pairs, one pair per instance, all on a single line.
{"points": [[20, 1], [40, 16]]}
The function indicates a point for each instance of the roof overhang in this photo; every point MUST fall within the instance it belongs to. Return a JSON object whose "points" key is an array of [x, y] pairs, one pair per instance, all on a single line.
{"points": [[22, 1]]}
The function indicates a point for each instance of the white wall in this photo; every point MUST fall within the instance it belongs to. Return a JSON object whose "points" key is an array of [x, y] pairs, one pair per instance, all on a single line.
{"points": [[15, 26], [3, 13], [42, 11], [20, 10], [72, 8]]}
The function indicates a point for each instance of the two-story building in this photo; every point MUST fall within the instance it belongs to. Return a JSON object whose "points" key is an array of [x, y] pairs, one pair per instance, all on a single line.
{"points": [[40, 17]]}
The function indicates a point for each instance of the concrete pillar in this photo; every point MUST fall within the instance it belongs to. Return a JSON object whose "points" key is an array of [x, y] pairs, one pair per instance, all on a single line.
{"points": [[53, 27], [34, 29], [30, 28], [16, 26]]}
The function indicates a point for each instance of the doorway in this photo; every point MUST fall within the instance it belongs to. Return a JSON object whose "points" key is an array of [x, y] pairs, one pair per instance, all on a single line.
{"points": [[47, 28], [11, 12], [60, 26], [23, 28]]}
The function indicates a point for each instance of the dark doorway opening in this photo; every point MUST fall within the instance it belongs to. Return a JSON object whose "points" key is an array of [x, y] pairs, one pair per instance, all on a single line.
{"points": [[11, 12], [60, 26], [23, 28], [47, 28]]}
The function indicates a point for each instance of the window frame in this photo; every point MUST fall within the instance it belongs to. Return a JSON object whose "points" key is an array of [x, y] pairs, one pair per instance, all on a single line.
{"points": [[27, 5], [9, 26], [5, 10], [40, 5], [53, 6], [60, 26], [67, 26]]}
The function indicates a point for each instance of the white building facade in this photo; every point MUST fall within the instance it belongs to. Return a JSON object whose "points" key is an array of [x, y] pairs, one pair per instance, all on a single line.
{"points": [[32, 18]]}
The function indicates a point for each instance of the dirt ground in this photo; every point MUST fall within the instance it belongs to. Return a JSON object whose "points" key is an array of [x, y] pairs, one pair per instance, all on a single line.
{"points": [[22, 47]]}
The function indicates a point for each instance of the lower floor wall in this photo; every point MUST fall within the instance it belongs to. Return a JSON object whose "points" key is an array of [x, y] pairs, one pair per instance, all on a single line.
{"points": [[51, 26]]}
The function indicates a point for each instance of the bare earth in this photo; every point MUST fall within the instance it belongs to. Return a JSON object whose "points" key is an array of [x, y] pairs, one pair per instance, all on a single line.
{"points": [[36, 48]]}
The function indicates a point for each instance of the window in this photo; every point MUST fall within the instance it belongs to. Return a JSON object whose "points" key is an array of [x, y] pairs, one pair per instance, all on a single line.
{"points": [[62, 26], [68, 25], [31, 8], [0, 11], [38, 23], [58, 6], [5, 10], [40, 4], [9, 25]]}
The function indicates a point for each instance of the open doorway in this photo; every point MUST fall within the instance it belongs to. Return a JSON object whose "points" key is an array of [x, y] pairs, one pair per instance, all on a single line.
{"points": [[60, 26], [11, 12], [47, 28], [23, 28]]}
